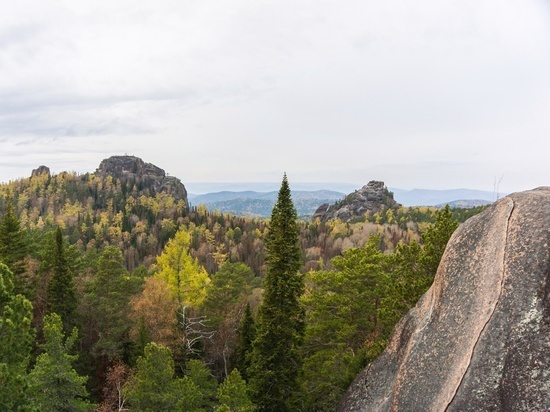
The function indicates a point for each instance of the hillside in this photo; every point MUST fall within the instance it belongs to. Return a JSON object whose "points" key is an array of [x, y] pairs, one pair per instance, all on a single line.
{"points": [[132, 253], [136, 207]]}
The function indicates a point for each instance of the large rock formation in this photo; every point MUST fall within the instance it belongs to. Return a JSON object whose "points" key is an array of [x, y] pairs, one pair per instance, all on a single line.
{"points": [[373, 197], [149, 178], [479, 339], [40, 170]]}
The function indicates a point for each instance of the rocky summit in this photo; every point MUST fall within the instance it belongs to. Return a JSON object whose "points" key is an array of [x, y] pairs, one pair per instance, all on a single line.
{"points": [[149, 178], [373, 197], [478, 340]]}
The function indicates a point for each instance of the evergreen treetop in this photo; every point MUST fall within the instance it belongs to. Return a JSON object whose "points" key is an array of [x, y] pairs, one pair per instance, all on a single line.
{"points": [[275, 361]]}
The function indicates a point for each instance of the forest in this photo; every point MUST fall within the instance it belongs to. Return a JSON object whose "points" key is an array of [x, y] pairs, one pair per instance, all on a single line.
{"points": [[114, 298]]}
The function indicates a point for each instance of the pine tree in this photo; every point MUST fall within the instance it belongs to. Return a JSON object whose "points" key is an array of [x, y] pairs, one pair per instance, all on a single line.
{"points": [[153, 387], [16, 338], [232, 394], [54, 385], [108, 297], [280, 328], [247, 334], [197, 372], [13, 246], [62, 297], [435, 240]]}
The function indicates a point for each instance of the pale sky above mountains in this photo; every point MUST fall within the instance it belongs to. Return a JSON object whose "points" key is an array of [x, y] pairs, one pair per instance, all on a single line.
{"points": [[433, 93]]}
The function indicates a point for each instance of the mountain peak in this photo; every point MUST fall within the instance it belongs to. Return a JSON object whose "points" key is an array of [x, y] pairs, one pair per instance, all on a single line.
{"points": [[372, 197], [149, 178]]}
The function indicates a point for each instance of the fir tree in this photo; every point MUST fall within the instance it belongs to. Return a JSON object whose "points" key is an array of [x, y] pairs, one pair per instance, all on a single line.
{"points": [[13, 246], [62, 297], [247, 334], [275, 360], [16, 338]]}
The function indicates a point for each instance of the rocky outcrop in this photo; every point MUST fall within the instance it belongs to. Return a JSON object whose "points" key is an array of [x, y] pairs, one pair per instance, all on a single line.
{"points": [[41, 170], [373, 197], [478, 340], [149, 178]]}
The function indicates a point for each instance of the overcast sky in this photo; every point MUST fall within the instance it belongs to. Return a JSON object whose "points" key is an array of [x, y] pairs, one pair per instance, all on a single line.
{"points": [[420, 94]]}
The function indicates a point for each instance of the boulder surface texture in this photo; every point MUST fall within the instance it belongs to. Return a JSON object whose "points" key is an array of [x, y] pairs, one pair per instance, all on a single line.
{"points": [[479, 339]]}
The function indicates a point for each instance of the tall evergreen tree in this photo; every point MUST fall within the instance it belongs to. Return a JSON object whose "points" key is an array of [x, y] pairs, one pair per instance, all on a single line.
{"points": [[62, 298], [247, 334], [280, 328], [108, 299], [13, 246], [16, 338]]}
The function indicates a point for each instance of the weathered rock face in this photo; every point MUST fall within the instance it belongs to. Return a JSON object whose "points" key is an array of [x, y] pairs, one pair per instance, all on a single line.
{"points": [[479, 339], [41, 170], [149, 178], [373, 197]]}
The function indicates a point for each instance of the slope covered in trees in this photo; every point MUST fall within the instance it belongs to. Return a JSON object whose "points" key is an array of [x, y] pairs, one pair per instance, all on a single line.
{"points": [[158, 290]]}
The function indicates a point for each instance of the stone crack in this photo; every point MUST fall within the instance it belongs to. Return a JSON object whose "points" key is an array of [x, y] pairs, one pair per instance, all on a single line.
{"points": [[501, 287]]}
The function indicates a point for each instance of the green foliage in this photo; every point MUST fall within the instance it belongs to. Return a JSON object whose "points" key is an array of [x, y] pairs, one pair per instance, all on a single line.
{"points": [[13, 246], [62, 297], [435, 240], [344, 311], [206, 385], [229, 286], [107, 299], [233, 394], [53, 383], [153, 387], [275, 359], [16, 338], [247, 334]]}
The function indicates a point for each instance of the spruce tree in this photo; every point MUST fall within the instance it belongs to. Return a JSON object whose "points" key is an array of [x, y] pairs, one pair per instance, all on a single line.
{"points": [[16, 339], [280, 327], [62, 297], [247, 333], [13, 246]]}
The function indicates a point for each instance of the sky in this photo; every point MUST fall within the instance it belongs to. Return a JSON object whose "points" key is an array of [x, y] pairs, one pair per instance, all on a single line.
{"points": [[434, 94]]}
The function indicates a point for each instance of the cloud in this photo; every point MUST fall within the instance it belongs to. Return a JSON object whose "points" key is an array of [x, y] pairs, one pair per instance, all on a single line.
{"points": [[246, 89]]}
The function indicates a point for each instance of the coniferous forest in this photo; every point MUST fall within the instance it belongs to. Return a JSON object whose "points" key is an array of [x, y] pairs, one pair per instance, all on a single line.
{"points": [[116, 297]]}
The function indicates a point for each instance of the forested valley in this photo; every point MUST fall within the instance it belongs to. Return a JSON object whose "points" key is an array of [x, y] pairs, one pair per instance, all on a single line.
{"points": [[116, 296]]}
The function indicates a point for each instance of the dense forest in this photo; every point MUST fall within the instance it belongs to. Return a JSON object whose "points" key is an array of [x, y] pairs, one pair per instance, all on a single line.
{"points": [[116, 296]]}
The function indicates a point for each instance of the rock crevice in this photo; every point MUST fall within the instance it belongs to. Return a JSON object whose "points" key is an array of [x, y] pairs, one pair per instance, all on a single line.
{"points": [[494, 306]]}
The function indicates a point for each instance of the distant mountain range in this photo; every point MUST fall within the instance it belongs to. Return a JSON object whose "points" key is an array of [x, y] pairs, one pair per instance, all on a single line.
{"points": [[259, 203], [427, 197]]}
